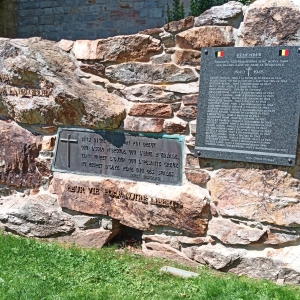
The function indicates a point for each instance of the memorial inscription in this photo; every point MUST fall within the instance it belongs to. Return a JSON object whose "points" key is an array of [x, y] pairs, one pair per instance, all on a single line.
{"points": [[137, 157], [249, 104]]}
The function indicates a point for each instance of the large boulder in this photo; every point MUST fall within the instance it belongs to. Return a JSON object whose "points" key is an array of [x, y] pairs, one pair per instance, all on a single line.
{"points": [[137, 47], [273, 264], [206, 36], [270, 196], [34, 216], [229, 232], [228, 14], [269, 23], [19, 149], [129, 73], [137, 205], [40, 85], [148, 93]]}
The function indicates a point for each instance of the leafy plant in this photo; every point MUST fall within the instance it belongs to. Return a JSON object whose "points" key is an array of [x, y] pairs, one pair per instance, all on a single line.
{"points": [[176, 13]]}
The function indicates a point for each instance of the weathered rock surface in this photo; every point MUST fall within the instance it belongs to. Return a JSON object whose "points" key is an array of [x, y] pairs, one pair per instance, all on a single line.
{"points": [[189, 112], [168, 39], [168, 239], [276, 238], [229, 232], [166, 251], [175, 106], [193, 127], [148, 93], [267, 24], [272, 264], [135, 204], [34, 216], [178, 126], [270, 196], [184, 57], [190, 99], [85, 222], [152, 31], [218, 256], [45, 129], [206, 36], [92, 238], [18, 150], [195, 241], [145, 73], [42, 88], [183, 88], [95, 69], [190, 141], [228, 14], [137, 47], [143, 124], [180, 25], [66, 45], [161, 59], [197, 176], [151, 110]]}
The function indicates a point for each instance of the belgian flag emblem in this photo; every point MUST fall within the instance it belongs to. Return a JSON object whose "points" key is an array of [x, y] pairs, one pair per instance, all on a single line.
{"points": [[220, 54], [284, 52]]}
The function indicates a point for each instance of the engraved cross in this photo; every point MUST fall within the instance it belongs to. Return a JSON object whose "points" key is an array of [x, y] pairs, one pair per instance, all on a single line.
{"points": [[249, 69], [68, 147]]}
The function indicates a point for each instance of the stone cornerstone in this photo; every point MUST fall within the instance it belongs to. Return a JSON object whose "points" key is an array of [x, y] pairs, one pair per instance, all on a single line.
{"points": [[232, 216]]}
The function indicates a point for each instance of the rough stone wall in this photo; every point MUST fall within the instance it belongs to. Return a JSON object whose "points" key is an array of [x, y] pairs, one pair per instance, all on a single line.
{"points": [[9, 18], [232, 216], [88, 19]]}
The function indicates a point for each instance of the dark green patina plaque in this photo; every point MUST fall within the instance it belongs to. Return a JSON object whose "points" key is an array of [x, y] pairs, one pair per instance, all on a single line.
{"points": [[151, 158]]}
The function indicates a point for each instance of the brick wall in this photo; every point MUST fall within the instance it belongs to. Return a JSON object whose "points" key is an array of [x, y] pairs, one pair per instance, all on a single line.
{"points": [[88, 19], [8, 18]]}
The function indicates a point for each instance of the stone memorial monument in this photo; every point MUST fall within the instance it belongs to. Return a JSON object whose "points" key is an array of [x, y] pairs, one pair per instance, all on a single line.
{"points": [[100, 137]]}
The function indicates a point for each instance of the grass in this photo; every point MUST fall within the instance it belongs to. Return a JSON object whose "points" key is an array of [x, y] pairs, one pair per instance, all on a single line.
{"points": [[34, 270]]}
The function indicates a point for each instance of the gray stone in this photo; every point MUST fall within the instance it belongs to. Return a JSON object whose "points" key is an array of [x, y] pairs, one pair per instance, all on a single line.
{"points": [[54, 94], [146, 73], [166, 251], [229, 13], [269, 23], [86, 222], [161, 59], [109, 223], [229, 232], [92, 238], [218, 257], [34, 216], [167, 39], [138, 47], [179, 272], [148, 93]]}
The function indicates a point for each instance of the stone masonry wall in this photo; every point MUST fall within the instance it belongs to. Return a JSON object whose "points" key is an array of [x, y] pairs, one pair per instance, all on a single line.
{"points": [[9, 18], [88, 19], [232, 216]]}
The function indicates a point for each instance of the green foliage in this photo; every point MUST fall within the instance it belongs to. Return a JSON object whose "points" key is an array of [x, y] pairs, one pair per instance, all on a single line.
{"points": [[176, 13], [30, 270], [197, 7]]}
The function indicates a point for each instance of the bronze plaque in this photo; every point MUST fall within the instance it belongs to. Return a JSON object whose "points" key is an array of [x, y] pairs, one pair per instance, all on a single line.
{"points": [[151, 158]]}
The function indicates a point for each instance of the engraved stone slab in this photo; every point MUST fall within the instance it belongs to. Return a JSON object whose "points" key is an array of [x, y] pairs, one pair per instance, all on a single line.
{"points": [[155, 158], [249, 104]]}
